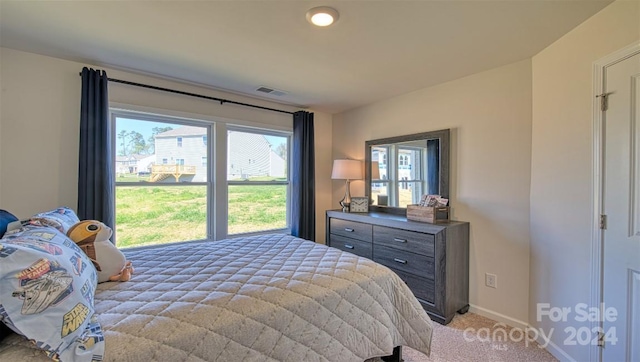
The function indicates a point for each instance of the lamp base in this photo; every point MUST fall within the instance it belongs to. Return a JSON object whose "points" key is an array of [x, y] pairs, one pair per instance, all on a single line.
{"points": [[346, 200], [345, 205]]}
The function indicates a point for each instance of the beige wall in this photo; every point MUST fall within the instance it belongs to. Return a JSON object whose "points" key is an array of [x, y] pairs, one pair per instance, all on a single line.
{"points": [[489, 115], [562, 162], [39, 118]]}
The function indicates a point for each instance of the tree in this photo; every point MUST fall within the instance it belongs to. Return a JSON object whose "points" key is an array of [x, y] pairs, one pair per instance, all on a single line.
{"points": [[151, 145], [137, 143], [123, 137], [281, 150]]}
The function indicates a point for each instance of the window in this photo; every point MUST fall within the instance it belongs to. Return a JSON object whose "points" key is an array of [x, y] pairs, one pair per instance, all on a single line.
{"points": [[401, 182], [410, 187], [171, 196], [257, 180], [170, 201], [380, 190]]}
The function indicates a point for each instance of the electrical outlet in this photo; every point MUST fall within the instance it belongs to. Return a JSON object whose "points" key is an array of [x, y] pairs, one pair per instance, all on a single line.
{"points": [[491, 280]]}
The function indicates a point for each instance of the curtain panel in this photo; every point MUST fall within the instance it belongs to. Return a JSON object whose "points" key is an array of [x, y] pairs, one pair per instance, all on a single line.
{"points": [[303, 206], [95, 171]]}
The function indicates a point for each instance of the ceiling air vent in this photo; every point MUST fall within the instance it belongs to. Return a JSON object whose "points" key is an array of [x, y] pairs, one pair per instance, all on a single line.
{"points": [[273, 92]]}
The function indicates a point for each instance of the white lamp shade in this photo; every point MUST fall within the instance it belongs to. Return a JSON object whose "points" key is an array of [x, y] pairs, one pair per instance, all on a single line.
{"points": [[347, 170], [375, 170]]}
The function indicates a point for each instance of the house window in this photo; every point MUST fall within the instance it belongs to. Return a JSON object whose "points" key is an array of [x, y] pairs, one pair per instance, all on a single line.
{"points": [[401, 180], [170, 201], [380, 188], [204, 140], [257, 180]]}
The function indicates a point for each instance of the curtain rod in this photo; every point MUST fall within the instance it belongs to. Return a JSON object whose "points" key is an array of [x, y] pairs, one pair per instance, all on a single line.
{"points": [[221, 100]]}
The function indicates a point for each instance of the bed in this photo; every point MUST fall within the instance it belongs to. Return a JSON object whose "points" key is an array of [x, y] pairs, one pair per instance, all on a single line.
{"points": [[259, 298]]}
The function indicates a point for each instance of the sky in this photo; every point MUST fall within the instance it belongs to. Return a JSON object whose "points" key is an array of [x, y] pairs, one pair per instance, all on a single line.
{"points": [[146, 129]]}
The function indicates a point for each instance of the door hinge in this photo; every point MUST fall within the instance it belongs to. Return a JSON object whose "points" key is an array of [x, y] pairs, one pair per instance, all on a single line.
{"points": [[604, 105], [603, 221], [601, 339]]}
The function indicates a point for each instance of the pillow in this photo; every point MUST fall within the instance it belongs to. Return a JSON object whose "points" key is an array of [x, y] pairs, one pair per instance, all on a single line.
{"points": [[47, 287], [5, 219], [61, 218]]}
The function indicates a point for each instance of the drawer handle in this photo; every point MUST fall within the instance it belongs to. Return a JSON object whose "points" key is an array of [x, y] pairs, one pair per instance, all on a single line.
{"points": [[399, 261], [349, 230], [400, 240], [348, 246]]}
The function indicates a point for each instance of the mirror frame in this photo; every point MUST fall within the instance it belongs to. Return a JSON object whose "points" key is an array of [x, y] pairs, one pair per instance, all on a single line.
{"points": [[443, 135]]}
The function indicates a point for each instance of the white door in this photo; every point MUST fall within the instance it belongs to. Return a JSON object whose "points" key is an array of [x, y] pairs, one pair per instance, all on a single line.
{"points": [[621, 204]]}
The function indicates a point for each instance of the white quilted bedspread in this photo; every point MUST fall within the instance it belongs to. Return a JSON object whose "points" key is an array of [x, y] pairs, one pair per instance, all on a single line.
{"points": [[262, 298]]}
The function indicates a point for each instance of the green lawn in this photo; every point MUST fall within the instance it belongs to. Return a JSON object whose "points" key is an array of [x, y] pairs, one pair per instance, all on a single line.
{"points": [[163, 214]]}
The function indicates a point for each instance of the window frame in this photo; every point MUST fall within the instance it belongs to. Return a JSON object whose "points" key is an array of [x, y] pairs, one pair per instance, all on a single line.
{"points": [[115, 113], [266, 132], [217, 187]]}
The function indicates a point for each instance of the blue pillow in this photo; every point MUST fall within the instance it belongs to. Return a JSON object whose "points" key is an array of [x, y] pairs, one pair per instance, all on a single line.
{"points": [[5, 219]]}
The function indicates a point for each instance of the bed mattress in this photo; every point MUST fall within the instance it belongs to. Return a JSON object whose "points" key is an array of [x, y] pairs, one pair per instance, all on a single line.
{"points": [[260, 298]]}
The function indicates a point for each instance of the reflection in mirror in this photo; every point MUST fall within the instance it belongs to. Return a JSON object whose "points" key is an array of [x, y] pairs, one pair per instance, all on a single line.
{"points": [[402, 169]]}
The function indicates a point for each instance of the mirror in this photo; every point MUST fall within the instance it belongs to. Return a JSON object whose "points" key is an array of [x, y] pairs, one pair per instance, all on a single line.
{"points": [[399, 170]]}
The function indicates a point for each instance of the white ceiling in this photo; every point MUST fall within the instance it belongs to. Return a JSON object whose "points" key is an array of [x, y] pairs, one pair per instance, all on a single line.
{"points": [[376, 50]]}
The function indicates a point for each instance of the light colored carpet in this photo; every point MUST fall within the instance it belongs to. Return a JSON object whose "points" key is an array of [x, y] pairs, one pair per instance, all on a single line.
{"points": [[452, 344]]}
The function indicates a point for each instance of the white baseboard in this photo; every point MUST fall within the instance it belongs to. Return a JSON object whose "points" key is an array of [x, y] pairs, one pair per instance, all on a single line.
{"points": [[511, 322], [557, 352], [552, 348]]}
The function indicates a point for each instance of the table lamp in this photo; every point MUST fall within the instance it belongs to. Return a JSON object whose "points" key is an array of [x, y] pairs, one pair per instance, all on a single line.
{"points": [[346, 170]]}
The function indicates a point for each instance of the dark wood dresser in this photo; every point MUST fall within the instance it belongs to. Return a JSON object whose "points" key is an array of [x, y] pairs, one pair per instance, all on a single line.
{"points": [[433, 259]]}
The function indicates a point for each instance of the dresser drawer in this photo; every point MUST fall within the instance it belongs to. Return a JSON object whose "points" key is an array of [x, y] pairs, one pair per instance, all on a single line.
{"points": [[404, 261], [360, 248], [352, 229], [419, 243], [422, 288]]}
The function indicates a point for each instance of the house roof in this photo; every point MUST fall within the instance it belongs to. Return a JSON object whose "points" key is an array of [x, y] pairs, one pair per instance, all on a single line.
{"points": [[183, 131], [137, 157], [376, 50]]}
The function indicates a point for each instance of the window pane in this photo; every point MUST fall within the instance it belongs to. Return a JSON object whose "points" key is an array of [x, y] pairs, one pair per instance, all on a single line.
{"points": [[160, 214], [256, 157], [257, 208], [380, 193], [410, 163], [409, 193], [159, 152]]}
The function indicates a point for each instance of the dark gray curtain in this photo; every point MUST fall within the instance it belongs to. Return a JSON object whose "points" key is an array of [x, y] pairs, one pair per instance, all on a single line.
{"points": [[303, 204], [95, 172], [433, 172]]}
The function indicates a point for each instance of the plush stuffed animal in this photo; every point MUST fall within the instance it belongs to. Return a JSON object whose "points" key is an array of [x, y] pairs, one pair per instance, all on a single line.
{"points": [[125, 274], [93, 238]]}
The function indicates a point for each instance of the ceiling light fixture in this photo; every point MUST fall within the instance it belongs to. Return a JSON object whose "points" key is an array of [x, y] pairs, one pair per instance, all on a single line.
{"points": [[322, 16]]}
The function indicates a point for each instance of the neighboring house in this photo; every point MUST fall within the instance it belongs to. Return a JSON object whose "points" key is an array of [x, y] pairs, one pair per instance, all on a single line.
{"points": [[404, 163], [250, 155], [184, 146], [134, 164], [144, 163]]}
